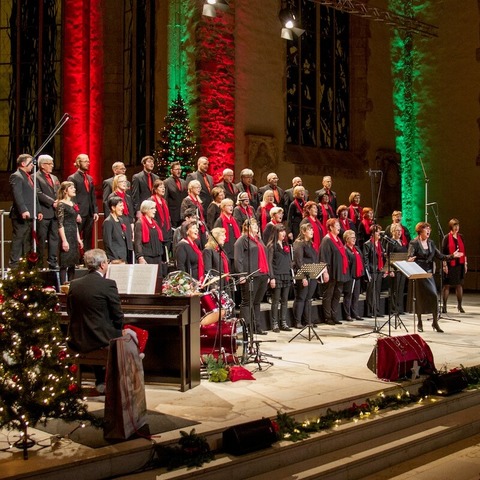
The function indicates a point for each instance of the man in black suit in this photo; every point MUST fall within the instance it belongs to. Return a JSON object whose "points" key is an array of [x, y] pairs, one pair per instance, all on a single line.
{"points": [[246, 185], [272, 184], [47, 188], [118, 168], [85, 199], [231, 190], [206, 181], [327, 189], [22, 211], [142, 183], [175, 192], [94, 309]]}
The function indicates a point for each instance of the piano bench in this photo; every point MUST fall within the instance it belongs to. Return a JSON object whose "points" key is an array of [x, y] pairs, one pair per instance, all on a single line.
{"points": [[96, 358]]}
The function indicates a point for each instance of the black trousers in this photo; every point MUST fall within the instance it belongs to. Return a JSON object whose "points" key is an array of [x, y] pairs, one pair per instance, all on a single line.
{"points": [[302, 305], [331, 299], [254, 290], [48, 232], [21, 239]]}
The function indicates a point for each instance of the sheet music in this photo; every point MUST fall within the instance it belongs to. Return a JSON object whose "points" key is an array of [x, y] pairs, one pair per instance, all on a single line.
{"points": [[131, 279], [412, 270]]}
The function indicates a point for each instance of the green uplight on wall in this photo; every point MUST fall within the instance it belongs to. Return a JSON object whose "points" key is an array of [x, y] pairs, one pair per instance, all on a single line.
{"points": [[409, 99]]}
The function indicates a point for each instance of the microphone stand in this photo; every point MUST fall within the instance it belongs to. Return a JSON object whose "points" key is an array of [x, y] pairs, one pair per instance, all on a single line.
{"points": [[426, 180], [440, 297], [65, 118]]}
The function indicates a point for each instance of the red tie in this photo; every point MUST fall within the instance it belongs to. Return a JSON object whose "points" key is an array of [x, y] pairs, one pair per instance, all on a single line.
{"points": [[179, 185], [276, 195], [86, 182], [30, 181], [205, 179], [149, 180], [49, 179]]}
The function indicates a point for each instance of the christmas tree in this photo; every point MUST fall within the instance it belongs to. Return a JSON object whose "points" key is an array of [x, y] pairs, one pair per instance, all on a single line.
{"points": [[37, 375], [176, 143]]}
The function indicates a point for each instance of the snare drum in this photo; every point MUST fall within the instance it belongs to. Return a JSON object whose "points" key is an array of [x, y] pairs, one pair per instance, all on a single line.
{"points": [[209, 304], [230, 341]]}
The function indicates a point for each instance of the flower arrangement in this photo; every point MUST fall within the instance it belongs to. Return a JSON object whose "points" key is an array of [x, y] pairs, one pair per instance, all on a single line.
{"points": [[179, 284]]}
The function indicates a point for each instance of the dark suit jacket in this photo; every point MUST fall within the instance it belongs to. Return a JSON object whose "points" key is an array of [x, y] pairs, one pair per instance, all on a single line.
{"points": [[204, 193], [86, 200], [174, 198], [107, 188], [117, 243], [23, 195], [140, 190], [47, 194], [93, 305], [231, 190], [288, 198], [254, 201], [281, 194]]}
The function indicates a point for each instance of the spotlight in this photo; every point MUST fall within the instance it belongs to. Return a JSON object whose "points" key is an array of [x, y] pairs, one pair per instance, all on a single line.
{"points": [[288, 20], [210, 7]]}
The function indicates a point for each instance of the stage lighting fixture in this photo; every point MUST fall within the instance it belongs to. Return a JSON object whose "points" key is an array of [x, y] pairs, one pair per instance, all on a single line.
{"points": [[287, 18], [288, 21], [209, 11], [210, 7]]}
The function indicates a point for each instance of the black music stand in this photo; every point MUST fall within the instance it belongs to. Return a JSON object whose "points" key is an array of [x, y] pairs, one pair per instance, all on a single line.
{"points": [[393, 312], [413, 272], [309, 271]]}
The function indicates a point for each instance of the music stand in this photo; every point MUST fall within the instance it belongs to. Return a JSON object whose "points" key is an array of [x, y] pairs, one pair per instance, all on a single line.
{"points": [[413, 272], [392, 259], [309, 271]]}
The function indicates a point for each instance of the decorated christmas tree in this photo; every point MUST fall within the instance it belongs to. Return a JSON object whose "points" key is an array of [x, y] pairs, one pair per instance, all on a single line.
{"points": [[37, 375], [176, 142]]}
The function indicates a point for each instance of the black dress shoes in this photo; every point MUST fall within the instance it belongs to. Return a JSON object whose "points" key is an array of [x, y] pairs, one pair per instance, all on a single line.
{"points": [[359, 318], [348, 319], [261, 332]]}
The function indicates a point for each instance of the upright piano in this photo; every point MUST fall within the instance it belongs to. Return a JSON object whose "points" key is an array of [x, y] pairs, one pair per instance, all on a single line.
{"points": [[172, 353]]}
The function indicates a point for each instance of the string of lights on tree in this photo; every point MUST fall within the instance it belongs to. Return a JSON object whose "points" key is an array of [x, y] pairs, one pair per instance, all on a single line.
{"points": [[177, 141], [37, 374]]}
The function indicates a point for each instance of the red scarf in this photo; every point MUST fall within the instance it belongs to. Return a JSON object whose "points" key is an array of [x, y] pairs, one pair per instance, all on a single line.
{"points": [[226, 222], [326, 214], [147, 225], [358, 262], [379, 252], [354, 213], [367, 224], [163, 211], [404, 238], [265, 215], [201, 266], [452, 248], [125, 206], [224, 262], [344, 224], [341, 248], [248, 212], [299, 205], [200, 212], [262, 255], [318, 232]]}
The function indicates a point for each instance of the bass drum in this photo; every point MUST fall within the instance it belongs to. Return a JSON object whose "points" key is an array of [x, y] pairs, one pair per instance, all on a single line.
{"points": [[230, 342]]}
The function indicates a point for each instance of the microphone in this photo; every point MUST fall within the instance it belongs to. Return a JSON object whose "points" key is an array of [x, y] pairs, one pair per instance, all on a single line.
{"points": [[431, 203]]}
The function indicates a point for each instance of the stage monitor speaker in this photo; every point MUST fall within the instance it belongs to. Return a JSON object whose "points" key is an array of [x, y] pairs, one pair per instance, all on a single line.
{"points": [[249, 437], [445, 383], [393, 357]]}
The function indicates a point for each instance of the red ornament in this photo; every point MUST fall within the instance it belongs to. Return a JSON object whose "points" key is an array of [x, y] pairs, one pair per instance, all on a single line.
{"points": [[2, 328], [15, 378], [2, 299], [62, 355], [73, 369], [73, 388], [32, 257], [37, 352]]}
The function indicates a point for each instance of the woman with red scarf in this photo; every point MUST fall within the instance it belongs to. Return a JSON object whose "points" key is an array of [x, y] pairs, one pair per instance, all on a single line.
{"points": [[276, 217], [243, 210], [193, 201], [119, 189], [188, 255], [162, 215], [454, 271], [303, 252], [263, 211], [332, 252], [363, 230], [228, 222], [374, 259], [214, 258], [310, 216], [117, 238], [422, 251], [354, 209], [148, 236], [251, 260], [345, 222], [325, 211], [356, 271], [295, 212]]}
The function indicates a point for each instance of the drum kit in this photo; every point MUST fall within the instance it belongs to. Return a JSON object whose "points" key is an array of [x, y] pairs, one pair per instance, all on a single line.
{"points": [[221, 334]]}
